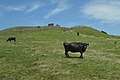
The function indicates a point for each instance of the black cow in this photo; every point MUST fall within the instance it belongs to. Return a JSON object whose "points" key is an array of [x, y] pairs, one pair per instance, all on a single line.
{"points": [[77, 33], [11, 39], [75, 47]]}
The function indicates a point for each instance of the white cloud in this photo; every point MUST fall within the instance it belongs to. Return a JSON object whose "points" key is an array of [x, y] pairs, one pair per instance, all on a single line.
{"points": [[62, 6], [26, 8], [34, 7], [14, 8], [108, 11]]}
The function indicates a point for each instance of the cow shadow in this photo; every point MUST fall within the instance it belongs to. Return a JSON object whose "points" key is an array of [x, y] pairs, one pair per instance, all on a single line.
{"points": [[73, 57]]}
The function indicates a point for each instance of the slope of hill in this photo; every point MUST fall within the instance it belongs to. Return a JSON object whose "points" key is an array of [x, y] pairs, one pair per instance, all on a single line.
{"points": [[38, 54], [90, 31]]}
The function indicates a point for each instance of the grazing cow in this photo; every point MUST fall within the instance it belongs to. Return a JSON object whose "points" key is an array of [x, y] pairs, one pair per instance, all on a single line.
{"points": [[11, 39], [58, 25], [75, 47], [77, 33]]}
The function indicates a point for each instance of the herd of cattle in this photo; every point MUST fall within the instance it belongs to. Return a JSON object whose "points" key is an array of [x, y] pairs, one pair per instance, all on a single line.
{"points": [[68, 46]]}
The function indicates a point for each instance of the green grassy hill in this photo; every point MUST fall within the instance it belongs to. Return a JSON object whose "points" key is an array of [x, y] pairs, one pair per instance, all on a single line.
{"points": [[90, 31], [38, 54]]}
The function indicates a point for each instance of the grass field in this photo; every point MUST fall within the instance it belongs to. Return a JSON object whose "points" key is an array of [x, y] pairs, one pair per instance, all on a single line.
{"points": [[38, 54]]}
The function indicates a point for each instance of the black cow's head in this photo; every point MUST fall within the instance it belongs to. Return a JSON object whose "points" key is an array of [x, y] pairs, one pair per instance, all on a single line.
{"points": [[85, 46]]}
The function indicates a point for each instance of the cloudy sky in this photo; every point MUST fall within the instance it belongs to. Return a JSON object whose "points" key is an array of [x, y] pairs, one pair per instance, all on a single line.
{"points": [[99, 14]]}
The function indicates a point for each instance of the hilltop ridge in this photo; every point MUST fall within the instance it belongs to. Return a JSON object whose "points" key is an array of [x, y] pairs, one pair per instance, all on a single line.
{"points": [[83, 30]]}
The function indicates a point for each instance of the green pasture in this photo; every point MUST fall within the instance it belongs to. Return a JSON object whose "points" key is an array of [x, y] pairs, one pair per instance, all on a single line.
{"points": [[38, 54]]}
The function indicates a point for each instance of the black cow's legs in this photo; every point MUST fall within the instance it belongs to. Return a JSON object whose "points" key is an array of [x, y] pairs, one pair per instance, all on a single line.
{"points": [[81, 56], [66, 53], [14, 40]]}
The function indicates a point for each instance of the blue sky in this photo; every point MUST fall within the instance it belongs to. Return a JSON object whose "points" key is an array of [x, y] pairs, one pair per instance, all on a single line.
{"points": [[99, 14]]}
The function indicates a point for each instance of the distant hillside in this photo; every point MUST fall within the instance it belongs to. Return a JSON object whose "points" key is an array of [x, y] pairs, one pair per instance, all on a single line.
{"points": [[32, 27], [89, 31], [83, 30]]}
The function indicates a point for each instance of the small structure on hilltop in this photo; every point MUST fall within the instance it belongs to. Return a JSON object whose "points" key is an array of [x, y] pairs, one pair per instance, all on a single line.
{"points": [[51, 24], [57, 25]]}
